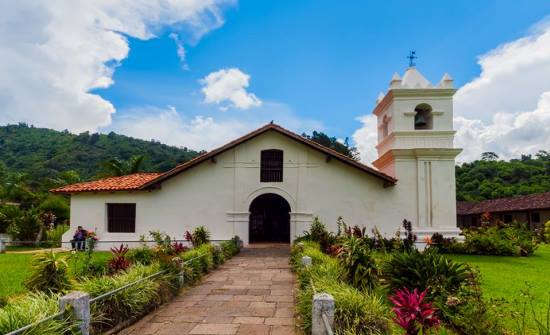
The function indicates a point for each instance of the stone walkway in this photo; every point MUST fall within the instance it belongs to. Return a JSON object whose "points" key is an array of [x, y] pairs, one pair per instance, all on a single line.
{"points": [[252, 293]]}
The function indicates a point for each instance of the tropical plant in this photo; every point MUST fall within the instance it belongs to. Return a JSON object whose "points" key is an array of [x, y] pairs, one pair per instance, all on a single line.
{"points": [[118, 167], [410, 236], [199, 236], [58, 206], [359, 266], [412, 313], [178, 247], [230, 248], [49, 273], [426, 270], [118, 261]]}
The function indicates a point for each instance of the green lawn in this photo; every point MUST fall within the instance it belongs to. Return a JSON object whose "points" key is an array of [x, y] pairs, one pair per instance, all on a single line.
{"points": [[506, 277], [16, 267]]}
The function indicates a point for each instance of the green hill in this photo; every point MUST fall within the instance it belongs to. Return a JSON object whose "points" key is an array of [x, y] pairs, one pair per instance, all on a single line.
{"points": [[490, 178], [44, 153]]}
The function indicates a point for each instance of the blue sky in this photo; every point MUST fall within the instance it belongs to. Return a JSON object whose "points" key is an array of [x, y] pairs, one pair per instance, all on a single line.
{"points": [[325, 62], [200, 73]]}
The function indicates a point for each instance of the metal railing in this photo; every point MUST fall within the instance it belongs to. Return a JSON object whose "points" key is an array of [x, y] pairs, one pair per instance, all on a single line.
{"points": [[86, 320], [34, 324], [322, 315]]}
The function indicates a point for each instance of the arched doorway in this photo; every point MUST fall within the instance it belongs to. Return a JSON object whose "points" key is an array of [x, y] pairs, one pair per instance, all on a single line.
{"points": [[269, 219]]}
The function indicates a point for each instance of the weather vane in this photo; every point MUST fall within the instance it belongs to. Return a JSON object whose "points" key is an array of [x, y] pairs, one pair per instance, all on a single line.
{"points": [[412, 56]]}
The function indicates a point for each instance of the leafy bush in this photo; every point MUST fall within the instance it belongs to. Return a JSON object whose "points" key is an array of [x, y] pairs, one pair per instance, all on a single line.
{"points": [[119, 262], [319, 233], [412, 313], [25, 226], [49, 273], [57, 205], [32, 308], [547, 231], [142, 255], [217, 255], [200, 236], [359, 266], [424, 270], [356, 312], [230, 248], [501, 240]]}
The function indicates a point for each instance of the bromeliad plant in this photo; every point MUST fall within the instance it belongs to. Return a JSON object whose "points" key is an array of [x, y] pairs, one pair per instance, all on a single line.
{"points": [[119, 262], [359, 266], [412, 313]]}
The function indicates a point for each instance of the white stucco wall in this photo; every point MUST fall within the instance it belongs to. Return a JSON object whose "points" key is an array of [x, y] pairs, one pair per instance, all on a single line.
{"points": [[218, 195]]}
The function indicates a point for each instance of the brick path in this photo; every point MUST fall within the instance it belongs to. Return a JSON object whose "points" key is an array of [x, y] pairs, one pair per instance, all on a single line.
{"points": [[252, 293]]}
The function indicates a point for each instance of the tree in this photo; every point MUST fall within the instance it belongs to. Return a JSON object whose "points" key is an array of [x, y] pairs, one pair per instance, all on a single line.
{"points": [[333, 143], [489, 156], [116, 167]]}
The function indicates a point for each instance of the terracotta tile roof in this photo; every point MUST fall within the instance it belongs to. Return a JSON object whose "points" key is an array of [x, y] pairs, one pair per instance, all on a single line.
{"points": [[141, 181], [520, 203], [123, 183]]}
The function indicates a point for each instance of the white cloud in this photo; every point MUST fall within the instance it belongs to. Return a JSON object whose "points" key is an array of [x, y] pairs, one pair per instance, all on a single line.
{"points": [[180, 50], [54, 53], [366, 138], [229, 86], [506, 109], [169, 127]]}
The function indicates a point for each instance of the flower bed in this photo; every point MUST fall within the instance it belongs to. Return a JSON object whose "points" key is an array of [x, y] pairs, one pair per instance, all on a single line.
{"points": [[375, 281], [123, 305]]}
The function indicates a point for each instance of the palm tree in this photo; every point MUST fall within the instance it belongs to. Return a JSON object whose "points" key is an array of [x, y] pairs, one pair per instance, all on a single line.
{"points": [[116, 167]]}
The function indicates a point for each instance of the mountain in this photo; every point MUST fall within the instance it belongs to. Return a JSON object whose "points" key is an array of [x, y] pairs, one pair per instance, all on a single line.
{"points": [[44, 153]]}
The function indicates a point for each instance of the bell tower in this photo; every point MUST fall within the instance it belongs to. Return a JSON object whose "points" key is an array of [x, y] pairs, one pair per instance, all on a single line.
{"points": [[415, 145]]}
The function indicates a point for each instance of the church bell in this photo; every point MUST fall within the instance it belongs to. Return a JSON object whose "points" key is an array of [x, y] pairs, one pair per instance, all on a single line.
{"points": [[419, 121]]}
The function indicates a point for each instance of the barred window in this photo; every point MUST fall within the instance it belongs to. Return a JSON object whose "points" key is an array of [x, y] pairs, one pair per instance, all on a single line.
{"points": [[121, 218], [271, 166]]}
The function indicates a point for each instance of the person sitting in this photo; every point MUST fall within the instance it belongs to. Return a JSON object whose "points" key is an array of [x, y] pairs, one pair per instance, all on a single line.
{"points": [[79, 239]]}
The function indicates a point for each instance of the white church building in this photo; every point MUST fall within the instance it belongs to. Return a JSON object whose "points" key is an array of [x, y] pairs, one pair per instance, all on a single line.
{"points": [[268, 185]]}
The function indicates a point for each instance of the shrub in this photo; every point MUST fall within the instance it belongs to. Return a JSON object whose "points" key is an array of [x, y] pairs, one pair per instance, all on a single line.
{"points": [[32, 308], [230, 248], [359, 266], [217, 255], [412, 313], [49, 273], [200, 236], [119, 262], [356, 312], [130, 302], [178, 247], [319, 233], [501, 240], [142, 255], [424, 270]]}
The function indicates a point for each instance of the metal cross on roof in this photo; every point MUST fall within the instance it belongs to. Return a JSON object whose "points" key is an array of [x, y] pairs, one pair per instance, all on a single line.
{"points": [[412, 56]]}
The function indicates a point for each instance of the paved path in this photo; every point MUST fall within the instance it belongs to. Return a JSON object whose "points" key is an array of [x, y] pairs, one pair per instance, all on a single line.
{"points": [[252, 293]]}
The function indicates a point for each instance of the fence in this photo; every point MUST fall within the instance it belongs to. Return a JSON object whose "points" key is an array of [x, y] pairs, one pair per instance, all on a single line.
{"points": [[81, 301], [322, 309], [81, 245]]}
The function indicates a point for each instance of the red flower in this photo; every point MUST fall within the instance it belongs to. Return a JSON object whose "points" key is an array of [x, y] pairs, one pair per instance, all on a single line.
{"points": [[411, 312]]}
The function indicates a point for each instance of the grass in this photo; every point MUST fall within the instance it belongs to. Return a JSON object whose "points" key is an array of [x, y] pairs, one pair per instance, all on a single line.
{"points": [[505, 277], [16, 267], [22, 248]]}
